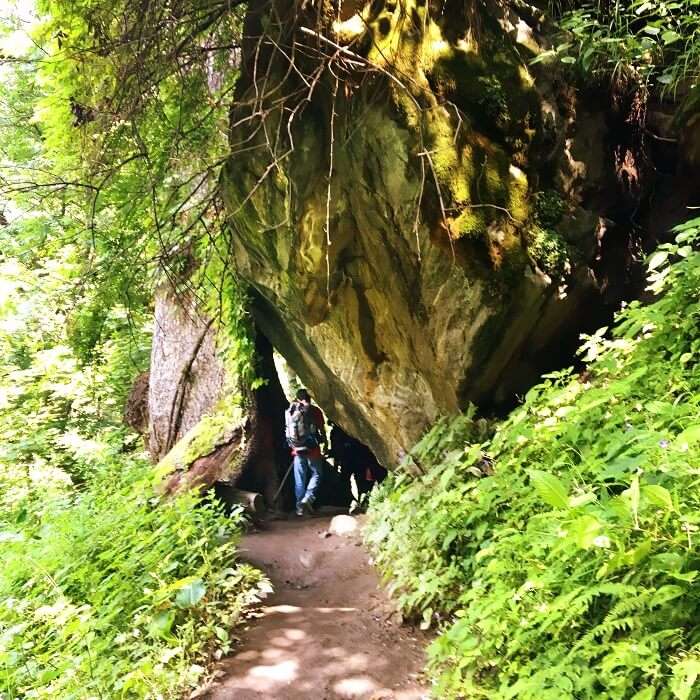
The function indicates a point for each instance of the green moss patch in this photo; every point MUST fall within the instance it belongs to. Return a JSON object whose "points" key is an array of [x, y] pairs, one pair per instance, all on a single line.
{"points": [[203, 438]]}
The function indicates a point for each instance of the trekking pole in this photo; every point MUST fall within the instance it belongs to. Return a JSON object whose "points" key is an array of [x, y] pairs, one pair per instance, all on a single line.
{"points": [[284, 481]]}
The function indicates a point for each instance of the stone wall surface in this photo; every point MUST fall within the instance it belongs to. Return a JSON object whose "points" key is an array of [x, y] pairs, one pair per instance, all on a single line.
{"points": [[449, 248]]}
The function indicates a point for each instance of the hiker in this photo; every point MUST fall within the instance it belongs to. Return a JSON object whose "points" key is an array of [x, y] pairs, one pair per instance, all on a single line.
{"points": [[355, 459], [363, 465], [304, 432], [339, 447]]}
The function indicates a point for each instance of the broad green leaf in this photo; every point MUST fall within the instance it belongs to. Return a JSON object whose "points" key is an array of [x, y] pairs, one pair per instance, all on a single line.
{"points": [[688, 437], [667, 593], [167, 590], [585, 530], [685, 675], [449, 538], [657, 259], [658, 407], [658, 496], [550, 488], [643, 7], [686, 227], [191, 594], [667, 561], [638, 554], [162, 623], [582, 499], [633, 494], [687, 577]]}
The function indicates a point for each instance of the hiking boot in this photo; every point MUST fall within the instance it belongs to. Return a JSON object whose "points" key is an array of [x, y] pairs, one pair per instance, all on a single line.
{"points": [[307, 506], [300, 511]]}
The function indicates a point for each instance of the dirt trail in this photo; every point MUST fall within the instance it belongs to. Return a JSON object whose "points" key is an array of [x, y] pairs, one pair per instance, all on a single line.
{"points": [[327, 631]]}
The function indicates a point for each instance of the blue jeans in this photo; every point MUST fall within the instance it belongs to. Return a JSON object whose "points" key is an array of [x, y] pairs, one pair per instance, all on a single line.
{"points": [[306, 486]]}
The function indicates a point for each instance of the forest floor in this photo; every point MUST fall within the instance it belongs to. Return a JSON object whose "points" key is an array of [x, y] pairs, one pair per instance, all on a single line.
{"points": [[327, 632]]}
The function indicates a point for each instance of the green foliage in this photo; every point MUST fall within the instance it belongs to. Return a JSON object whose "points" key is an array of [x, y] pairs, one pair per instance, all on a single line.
{"points": [[643, 44], [549, 208], [546, 247], [50, 400], [570, 570], [140, 124], [110, 591], [492, 100], [113, 128], [226, 301], [417, 539], [549, 250], [106, 590]]}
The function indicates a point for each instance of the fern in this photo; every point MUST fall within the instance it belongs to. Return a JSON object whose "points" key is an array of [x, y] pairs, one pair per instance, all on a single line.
{"points": [[570, 571]]}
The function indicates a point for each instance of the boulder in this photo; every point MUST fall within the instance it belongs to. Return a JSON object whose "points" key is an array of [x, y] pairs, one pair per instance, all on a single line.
{"points": [[416, 236]]}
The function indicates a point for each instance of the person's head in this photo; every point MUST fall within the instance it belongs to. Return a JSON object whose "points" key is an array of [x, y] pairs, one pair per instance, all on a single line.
{"points": [[303, 396]]}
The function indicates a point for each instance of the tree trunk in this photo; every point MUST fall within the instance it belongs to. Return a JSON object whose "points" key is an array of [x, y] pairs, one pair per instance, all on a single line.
{"points": [[203, 426]]}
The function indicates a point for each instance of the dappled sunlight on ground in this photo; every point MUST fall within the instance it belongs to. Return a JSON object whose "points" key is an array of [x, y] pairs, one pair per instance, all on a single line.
{"points": [[328, 631]]}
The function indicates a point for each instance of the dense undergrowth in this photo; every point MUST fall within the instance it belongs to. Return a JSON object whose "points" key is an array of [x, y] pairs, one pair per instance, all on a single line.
{"points": [[106, 589], [110, 592], [558, 558], [648, 46]]}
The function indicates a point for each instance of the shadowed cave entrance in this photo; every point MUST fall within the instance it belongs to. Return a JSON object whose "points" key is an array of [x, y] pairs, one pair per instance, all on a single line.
{"points": [[350, 468], [204, 429]]}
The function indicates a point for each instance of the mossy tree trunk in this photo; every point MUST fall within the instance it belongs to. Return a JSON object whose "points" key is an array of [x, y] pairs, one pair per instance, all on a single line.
{"points": [[204, 426], [267, 456]]}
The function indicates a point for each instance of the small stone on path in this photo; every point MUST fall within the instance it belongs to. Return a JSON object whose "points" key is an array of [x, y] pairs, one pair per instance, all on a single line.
{"points": [[343, 525]]}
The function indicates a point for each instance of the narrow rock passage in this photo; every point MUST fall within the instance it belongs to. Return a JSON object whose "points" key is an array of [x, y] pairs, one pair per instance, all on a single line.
{"points": [[327, 631]]}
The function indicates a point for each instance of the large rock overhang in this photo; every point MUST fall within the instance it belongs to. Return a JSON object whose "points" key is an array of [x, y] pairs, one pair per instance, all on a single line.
{"points": [[421, 278]]}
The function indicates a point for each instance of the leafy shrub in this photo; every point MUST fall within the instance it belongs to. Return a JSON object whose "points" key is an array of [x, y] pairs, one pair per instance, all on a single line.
{"points": [[652, 45], [51, 400], [106, 591], [549, 250], [416, 538], [111, 592], [549, 208], [571, 570]]}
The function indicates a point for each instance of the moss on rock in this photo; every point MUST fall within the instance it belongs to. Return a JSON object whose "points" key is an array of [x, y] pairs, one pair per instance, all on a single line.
{"points": [[467, 103], [210, 432], [404, 281]]}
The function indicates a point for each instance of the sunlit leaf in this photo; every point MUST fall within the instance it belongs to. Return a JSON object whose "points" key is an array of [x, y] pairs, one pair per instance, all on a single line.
{"points": [[658, 495], [550, 488], [162, 623], [189, 595]]}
